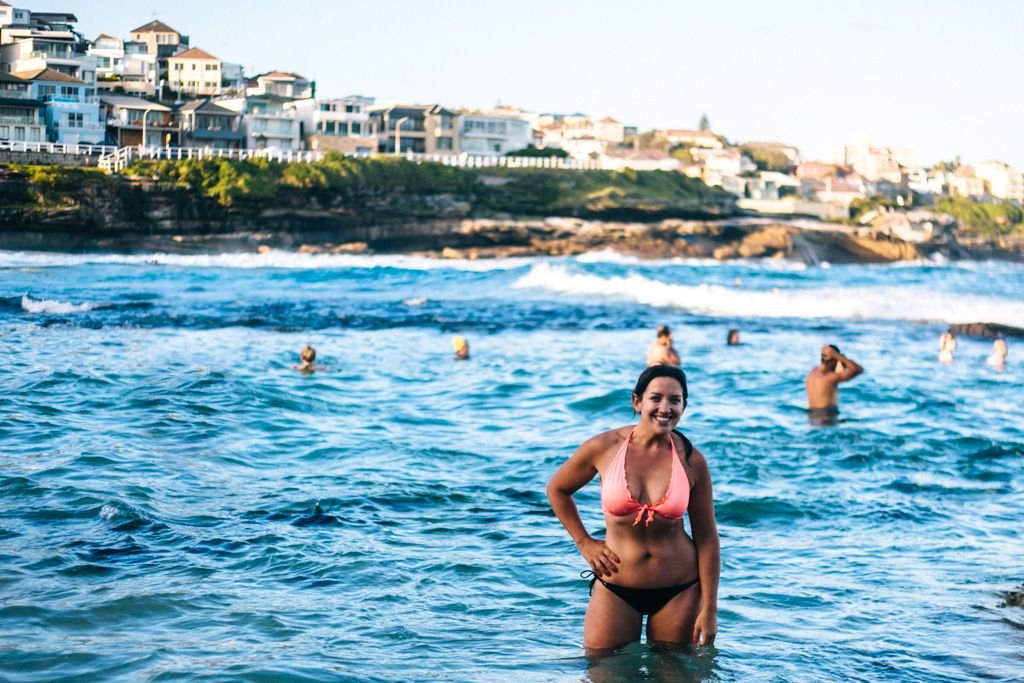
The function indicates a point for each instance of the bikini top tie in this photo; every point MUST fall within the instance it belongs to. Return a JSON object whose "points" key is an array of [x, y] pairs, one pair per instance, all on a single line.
{"points": [[617, 500]]}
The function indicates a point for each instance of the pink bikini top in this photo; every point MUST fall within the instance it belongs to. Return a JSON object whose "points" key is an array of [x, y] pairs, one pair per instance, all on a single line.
{"points": [[617, 500]]}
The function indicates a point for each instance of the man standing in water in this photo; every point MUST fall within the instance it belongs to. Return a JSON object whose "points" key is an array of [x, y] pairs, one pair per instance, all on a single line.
{"points": [[823, 381], [661, 351]]}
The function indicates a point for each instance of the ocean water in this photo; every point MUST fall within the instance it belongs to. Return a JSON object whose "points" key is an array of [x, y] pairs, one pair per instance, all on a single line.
{"points": [[177, 503]]}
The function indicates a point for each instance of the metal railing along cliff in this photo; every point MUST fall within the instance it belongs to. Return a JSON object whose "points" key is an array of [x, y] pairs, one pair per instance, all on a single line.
{"points": [[117, 160]]}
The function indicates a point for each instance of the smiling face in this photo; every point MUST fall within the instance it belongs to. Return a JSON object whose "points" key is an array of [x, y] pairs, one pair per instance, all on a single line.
{"points": [[662, 404]]}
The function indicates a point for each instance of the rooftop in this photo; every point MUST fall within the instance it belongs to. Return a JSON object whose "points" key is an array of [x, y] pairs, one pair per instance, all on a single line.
{"points": [[194, 53], [155, 26], [47, 75]]}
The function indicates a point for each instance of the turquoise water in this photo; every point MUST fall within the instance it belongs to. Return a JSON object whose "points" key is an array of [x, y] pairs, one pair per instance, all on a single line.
{"points": [[176, 503]]}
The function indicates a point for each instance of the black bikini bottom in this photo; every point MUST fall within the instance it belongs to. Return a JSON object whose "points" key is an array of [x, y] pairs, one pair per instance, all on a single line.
{"points": [[643, 600]]}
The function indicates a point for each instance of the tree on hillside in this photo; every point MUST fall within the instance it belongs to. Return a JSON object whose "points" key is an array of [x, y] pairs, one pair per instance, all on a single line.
{"points": [[767, 159], [653, 139], [704, 125]]}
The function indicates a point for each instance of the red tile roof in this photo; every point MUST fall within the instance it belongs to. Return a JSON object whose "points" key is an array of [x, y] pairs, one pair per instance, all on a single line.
{"points": [[194, 53]]}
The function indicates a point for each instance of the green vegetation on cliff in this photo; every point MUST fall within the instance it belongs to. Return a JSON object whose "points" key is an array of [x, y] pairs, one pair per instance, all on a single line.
{"points": [[488, 191], [983, 219], [378, 188]]}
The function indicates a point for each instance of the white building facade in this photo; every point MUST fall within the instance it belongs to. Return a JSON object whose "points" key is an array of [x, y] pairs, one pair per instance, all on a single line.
{"points": [[493, 134]]}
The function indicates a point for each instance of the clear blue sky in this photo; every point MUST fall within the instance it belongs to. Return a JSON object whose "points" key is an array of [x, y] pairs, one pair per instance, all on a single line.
{"points": [[940, 76]]}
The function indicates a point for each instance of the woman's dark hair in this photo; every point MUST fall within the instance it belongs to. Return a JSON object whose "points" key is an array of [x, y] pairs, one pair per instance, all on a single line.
{"points": [[665, 371]]}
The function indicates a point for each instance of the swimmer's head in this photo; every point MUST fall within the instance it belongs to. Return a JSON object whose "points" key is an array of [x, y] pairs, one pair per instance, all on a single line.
{"points": [[664, 332], [659, 371], [459, 343], [308, 354], [733, 337]]}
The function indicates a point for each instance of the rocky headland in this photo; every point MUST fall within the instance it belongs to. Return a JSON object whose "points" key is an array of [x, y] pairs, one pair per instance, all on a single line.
{"points": [[374, 206]]}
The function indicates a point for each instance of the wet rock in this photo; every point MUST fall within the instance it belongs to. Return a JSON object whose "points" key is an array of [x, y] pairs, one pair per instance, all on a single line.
{"points": [[986, 330]]}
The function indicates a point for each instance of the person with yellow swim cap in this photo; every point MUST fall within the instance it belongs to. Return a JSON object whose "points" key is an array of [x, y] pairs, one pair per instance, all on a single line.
{"points": [[461, 347]]}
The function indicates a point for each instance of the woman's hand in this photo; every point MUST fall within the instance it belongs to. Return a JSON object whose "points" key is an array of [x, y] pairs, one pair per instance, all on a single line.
{"points": [[705, 628], [599, 556]]}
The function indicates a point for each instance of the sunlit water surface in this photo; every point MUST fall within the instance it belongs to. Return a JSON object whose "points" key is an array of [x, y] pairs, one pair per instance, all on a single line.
{"points": [[176, 503]]}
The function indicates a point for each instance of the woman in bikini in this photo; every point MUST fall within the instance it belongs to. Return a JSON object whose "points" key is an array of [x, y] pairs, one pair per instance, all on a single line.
{"points": [[647, 565]]}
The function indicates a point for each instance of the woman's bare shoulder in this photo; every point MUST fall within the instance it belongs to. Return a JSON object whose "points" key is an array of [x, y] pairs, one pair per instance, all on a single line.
{"points": [[597, 446]]}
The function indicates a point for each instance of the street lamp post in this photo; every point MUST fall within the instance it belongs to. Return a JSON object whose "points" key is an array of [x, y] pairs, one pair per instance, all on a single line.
{"points": [[398, 134], [145, 114]]}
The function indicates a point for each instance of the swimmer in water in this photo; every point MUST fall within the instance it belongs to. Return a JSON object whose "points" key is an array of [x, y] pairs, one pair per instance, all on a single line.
{"points": [[661, 351], [823, 381], [999, 351], [308, 356], [461, 347], [733, 338], [947, 345]]}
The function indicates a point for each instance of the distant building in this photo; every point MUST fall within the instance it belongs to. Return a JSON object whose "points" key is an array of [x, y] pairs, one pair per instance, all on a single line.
{"points": [[340, 124], [1001, 180], [124, 116], [22, 117], [123, 66], [194, 72], [639, 160], [418, 128], [269, 121], [204, 123], [693, 138], [964, 183], [493, 133], [841, 192], [814, 170], [162, 42], [281, 84], [72, 115], [876, 162]]}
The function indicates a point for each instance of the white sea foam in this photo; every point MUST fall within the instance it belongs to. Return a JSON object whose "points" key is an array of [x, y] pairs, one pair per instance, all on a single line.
{"points": [[415, 301], [269, 259], [30, 305], [852, 303]]}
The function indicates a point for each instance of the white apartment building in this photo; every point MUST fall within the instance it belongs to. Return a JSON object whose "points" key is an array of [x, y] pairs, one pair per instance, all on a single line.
{"points": [[493, 133], [341, 124], [123, 66], [1001, 180], [269, 122]]}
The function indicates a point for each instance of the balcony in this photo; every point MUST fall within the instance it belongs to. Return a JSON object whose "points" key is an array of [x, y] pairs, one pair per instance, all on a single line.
{"points": [[15, 95], [71, 99], [19, 120]]}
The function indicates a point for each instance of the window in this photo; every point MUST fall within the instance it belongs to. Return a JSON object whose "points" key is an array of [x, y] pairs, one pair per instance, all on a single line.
{"points": [[68, 91], [76, 120], [444, 143], [357, 128], [5, 132], [19, 133], [179, 66], [211, 67], [329, 129], [193, 66]]}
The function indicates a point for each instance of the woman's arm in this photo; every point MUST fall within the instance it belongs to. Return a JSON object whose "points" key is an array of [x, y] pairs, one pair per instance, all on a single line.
{"points": [[573, 475], [705, 537]]}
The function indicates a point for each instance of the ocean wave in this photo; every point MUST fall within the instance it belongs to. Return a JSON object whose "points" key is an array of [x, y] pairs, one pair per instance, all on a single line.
{"points": [[270, 259], [30, 305], [612, 257], [916, 303]]}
